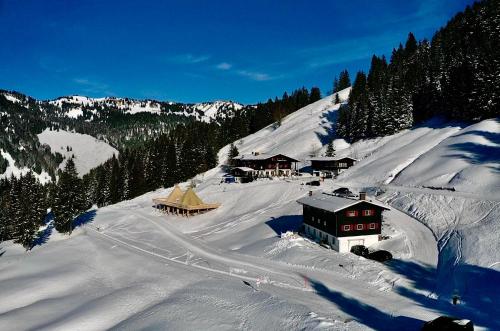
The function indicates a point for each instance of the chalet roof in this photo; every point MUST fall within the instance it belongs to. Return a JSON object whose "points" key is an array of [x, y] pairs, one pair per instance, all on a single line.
{"points": [[253, 157], [188, 200], [331, 158], [334, 203]]}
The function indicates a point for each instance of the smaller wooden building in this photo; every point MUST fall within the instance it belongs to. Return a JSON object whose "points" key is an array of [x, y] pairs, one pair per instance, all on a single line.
{"points": [[267, 165], [183, 203], [342, 222], [330, 165], [243, 174]]}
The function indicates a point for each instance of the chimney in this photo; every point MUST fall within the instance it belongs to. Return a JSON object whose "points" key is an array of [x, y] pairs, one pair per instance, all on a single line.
{"points": [[310, 193], [362, 195]]}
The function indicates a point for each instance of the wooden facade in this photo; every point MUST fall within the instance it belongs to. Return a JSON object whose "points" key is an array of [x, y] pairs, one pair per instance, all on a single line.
{"points": [[333, 165], [367, 215], [342, 222], [267, 165]]}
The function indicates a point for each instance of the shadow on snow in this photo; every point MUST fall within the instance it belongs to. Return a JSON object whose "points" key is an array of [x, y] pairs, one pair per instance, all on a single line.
{"points": [[478, 289], [43, 235], [365, 314], [85, 218], [328, 120], [285, 223]]}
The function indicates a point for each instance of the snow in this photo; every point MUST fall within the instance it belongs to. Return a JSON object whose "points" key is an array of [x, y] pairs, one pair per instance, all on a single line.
{"points": [[209, 110], [192, 272], [11, 98], [88, 151], [299, 134], [13, 170]]}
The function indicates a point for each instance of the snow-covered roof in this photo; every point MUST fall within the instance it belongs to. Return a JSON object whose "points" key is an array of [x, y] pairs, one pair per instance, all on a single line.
{"points": [[246, 169], [334, 203], [331, 158], [260, 156]]}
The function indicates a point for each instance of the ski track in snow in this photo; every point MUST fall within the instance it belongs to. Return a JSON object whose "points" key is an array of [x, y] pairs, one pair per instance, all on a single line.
{"points": [[235, 243]]}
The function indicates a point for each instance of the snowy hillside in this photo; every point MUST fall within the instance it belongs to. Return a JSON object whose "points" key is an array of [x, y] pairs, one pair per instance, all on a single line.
{"points": [[239, 267], [207, 111], [87, 150], [300, 134], [14, 170]]}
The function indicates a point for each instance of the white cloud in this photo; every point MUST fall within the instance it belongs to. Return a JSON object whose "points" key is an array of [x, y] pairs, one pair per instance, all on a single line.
{"points": [[189, 58], [224, 66], [254, 75]]}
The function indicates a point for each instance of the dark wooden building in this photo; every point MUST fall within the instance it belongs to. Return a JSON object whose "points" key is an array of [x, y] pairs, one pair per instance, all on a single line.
{"points": [[342, 222], [243, 174], [333, 165], [267, 165]]}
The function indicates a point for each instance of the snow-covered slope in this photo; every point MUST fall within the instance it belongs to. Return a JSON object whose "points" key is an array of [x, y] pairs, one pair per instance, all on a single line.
{"points": [[13, 170], [207, 111], [87, 150], [300, 134], [133, 268]]}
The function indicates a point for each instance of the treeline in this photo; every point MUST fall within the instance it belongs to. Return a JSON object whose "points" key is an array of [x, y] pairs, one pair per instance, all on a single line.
{"points": [[162, 162], [23, 207], [253, 118], [164, 159], [456, 75]]}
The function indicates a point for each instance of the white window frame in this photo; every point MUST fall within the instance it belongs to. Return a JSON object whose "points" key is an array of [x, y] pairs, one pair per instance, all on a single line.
{"points": [[358, 225], [368, 212], [372, 226], [350, 213], [347, 227]]}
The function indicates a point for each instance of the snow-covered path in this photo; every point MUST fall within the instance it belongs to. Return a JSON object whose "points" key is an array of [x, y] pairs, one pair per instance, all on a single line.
{"points": [[275, 277]]}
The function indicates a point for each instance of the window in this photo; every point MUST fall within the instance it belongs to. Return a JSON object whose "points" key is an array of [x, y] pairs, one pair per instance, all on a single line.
{"points": [[319, 221], [342, 165], [324, 223], [312, 218], [373, 226], [347, 227], [351, 213], [368, 212], [359, 226]]}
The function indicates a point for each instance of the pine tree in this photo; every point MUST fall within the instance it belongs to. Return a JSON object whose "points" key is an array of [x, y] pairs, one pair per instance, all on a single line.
{"points": [[233, 152], [337, 99], [344, 81], [69, 201], [330, 149], [315, 95], [335, 88]]}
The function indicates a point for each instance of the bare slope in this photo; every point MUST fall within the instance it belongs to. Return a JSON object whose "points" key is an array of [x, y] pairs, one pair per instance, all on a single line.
{"points": [[88, 151]]}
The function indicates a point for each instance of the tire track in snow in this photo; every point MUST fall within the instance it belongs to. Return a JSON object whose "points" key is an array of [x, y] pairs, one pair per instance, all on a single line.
{"points": [[197, 266]]}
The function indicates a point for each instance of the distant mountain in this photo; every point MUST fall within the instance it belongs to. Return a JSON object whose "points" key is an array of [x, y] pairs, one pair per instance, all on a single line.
{"points": [[74, 106], [118, 122]]}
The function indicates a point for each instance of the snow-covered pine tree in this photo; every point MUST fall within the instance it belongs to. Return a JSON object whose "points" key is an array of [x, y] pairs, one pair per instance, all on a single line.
{"points": [[69, 201]]}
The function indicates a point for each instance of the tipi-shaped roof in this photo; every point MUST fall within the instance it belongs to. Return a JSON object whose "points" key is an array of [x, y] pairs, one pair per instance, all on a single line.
{"points": [[176, 195], [187, 201], [190, 199]]}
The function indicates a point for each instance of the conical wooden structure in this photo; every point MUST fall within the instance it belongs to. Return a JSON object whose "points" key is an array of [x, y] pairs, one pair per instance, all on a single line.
{"points": [[190, 199], [183, 203]]}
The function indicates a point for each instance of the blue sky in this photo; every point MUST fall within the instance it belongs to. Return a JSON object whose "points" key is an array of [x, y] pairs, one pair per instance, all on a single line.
{"points": [[192, 51]]}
